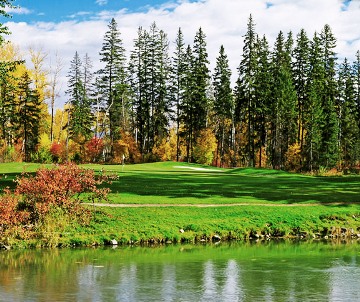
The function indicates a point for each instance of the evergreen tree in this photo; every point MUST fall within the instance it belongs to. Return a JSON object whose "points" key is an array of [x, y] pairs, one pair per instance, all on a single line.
{"points": [[87, 76], [112, 83], [301, 70], [329, 143], [262, 93], [187, 106], [159, 68], [138, 69], [27, 117], [246, 102], [149, 68], [201, 77], [195, 107], [223, 106], [313, 110], [178, 87], [348, 130], [283, 108], [356, 79], [80, 117]]}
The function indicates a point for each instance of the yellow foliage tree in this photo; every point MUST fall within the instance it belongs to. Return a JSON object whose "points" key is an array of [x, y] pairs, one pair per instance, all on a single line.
{"points": [[166, 148], [205, 147], [293, 158]]}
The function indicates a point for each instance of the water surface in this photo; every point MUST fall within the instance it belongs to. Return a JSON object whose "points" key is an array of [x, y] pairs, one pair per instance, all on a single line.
{"points": [[269, 271]]}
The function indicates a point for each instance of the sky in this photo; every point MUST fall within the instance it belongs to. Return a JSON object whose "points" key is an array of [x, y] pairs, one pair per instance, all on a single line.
{"points": [[63, 27]]}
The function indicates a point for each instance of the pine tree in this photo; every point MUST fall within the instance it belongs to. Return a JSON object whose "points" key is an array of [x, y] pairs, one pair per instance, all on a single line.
{"points": [[329, 143], [246, 101], [27, 116], [80, 117], [178, 87], [195, 106], [313, 111], [149, 69], [137, 76], [263, 92], [223, 106], [159, 68], [348, 125], [356, 79], [301, 70], [201, 77], [112, 86], [283, 120], [187, 106]]}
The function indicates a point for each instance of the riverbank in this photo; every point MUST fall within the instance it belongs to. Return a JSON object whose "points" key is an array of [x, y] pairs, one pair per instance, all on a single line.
{"points": [[177, 203]]}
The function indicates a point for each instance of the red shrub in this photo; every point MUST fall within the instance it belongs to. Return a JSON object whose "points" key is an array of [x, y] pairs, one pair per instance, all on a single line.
{"points": [[94, 149], [60, 187], [10, 214]]}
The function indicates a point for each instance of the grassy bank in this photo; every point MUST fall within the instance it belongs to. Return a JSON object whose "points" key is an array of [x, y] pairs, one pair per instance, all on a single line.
{"points": [[273, 203]]}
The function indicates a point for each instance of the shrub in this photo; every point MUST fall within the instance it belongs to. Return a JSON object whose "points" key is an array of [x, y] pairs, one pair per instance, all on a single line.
{"points": [[59, 187], [10, 214]]}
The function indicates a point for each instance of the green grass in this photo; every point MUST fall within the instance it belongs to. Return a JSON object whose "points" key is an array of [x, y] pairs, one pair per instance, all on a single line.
{"points": [[333, 203], [174, 183]]}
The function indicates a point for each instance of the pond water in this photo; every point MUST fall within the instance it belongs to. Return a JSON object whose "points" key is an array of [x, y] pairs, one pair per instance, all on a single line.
{"points": [[272, 271]]}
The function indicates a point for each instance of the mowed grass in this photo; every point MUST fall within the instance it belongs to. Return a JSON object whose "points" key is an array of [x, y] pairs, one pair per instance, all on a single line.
{"points": [[270, 202], [183, 183]]}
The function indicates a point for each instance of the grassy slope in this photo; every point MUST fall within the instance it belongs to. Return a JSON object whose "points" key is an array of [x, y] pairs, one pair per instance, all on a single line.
{"points": [[173, 183], [180, 183]]}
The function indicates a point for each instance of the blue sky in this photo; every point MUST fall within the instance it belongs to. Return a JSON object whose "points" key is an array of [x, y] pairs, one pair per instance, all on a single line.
{"points": [[63, 10], [63, 27]]}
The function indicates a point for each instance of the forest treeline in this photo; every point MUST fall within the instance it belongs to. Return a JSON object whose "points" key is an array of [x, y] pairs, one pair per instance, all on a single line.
{"points": [[294, 106]]}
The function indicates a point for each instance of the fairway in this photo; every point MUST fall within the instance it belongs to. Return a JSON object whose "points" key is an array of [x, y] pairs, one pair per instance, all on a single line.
{"points": [[184, 183], [153, 202]]}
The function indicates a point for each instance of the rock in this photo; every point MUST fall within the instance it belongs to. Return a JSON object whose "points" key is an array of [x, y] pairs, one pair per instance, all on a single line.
{"points": [[4, 247], [113, 242], [216, 238], [181, 231]]}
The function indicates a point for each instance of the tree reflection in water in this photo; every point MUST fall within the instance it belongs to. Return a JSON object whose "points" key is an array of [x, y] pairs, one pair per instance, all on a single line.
{"points": [[226, 272]]}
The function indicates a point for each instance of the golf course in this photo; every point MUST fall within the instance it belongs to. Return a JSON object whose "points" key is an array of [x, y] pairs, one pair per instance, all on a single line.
{"points": [[172, 202]]}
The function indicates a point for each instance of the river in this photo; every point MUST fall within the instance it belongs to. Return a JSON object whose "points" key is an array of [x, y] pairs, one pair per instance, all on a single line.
{"points": [[270, 271]]}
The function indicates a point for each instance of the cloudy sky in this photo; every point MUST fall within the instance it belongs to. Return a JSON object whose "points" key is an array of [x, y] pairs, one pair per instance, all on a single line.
{"points": [[66, 26]]}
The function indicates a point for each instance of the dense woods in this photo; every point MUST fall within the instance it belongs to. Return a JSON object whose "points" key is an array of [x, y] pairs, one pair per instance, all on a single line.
{"points": [[294, 105]]}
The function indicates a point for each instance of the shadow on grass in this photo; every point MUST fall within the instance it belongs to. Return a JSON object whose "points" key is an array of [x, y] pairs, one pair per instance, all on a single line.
{"points": [[241, 185], [8, 180]]}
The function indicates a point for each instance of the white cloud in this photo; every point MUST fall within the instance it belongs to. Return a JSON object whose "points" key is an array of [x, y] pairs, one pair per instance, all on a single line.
{"points": [[101, 2], [18, 10], [223, 21]]}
